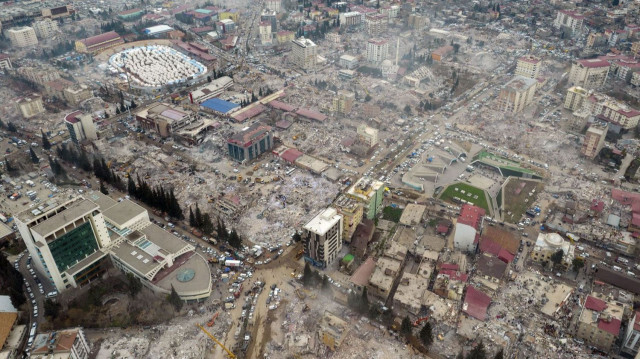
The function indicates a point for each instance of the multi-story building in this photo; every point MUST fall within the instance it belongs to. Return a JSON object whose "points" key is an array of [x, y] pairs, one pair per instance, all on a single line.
{"points": [[517, 94], [285, 37], [371, 193], [80, 126], [635, 78], [635, 48], [62, 344], [213, 89], [250, 143], [352, 18], [440, 53], [599, 322], [5, 62], [58, 12], [367, 136], [266, 38], [322, 237], [164, 118], [95, 44], [377, 50], [594, 140], [549, 243], [569, 19], [39, 75], [22, 36], [348, 62], [343, 101], [529, 67], [589, 73], [270, 16], [575, 98], [332, 330], [8, 318], [619, 113], [468, 228], [352, 212], [376, 24], [631, 339], [275, 5], [77, 93], [45, 28], [30, 106], [304, 53]]}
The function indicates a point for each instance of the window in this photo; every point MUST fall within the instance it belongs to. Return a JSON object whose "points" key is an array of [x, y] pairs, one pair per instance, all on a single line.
{"points": [[73, 246]]}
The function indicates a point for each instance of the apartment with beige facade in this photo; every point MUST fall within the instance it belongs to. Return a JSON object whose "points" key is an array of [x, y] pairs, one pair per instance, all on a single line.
{"points": [[569, 19], [46, 28], [30, 106], [304, 53], [589, 73], [529, 67], [517, 94], [575, 98], [600, 321], [594, 140], [22, 36]]}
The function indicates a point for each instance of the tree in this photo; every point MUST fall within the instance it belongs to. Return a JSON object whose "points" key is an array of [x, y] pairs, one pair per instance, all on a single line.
{"points": [[364, 302], [325, 282], [175, 300], [426, 335], [297, 237], [208, 78], [11, 127], [307, 275], [192, 218], [11, 282], [103, 189], [556, 258], [460, 355], [198, 217], [45, 141], [135, 286], [499, 354], [207, 224], [615, 2], [578, 263], [131, 188], [51, 308], [34, 157], [405, 327], [407, 110], [478, 352], [234, 239], [222, 230], [9, 167]]}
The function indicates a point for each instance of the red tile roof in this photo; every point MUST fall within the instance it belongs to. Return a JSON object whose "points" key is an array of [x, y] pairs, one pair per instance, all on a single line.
{"points": [[489, 246], [593, 63], [98, 39], [455, 275], [471, 216], [362, 275], [247, 113], [291, 155], [626, 198], [442, 228], [476, 303], [635, 219], [449, 266], [281, 106], [597, 206], [313, 115], [505, 256], [595, 304], [636, 323], [611, 326]]}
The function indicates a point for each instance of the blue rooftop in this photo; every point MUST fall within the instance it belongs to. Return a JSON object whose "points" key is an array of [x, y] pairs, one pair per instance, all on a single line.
{"points": [[218, 105], [204, 11]]}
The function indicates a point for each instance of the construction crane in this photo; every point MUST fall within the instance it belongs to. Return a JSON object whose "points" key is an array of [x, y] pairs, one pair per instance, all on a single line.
{"points": [[229, 353]]}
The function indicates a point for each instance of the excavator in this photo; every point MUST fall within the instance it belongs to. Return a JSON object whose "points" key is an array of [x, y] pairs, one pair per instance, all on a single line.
{"points": [[213, 320], [420, 320], [229, 353]]}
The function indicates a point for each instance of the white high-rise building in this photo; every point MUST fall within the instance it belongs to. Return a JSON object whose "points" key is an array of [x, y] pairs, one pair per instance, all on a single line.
{"points": [[377, 50], [304, 53], [266, 37], [45, 28], [322, 237], [22, 36]]}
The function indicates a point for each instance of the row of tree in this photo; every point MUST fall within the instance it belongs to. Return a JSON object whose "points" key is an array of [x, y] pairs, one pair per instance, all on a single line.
{"points": [[11, 282], [157, 197], [106, 175]]}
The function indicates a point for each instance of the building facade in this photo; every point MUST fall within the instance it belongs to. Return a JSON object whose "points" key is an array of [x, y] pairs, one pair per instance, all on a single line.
{"points": [[377, 50], [250, 143], [549, 243], [348, 62], [322, 238], [304, 53], [370, 193], [376, 24], [5, 62], [569, 19], [62, 344], [332, 330], [275, 5], [600, 321], [80, 126], [468, 228], [631, 339], [77, 93], [164, 118], [529, 67], [343, 101], [266, 37], [30, 106], [367, 136], [517, 94], [95, 44], [589, 73], [45, 28], [575, 98], [270, 16], [22, 36], [594, 140], [352, 213]]}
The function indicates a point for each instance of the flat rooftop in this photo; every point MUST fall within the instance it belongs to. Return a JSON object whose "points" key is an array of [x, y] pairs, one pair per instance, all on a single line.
{"points": [[122, 212], [164, 239], [385, 273], [74, 211], [177, 275], [412, 214], [323, 221]]}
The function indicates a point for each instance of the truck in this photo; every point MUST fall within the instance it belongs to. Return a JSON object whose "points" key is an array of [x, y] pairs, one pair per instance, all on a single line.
{"points": [[229, 306], [299, 254], [232, 263]]}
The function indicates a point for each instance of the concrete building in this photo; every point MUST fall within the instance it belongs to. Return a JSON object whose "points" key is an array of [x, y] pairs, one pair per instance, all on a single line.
{"points": [[517, 94], [631, 339], [589, 73], [304, 53], [376, 24], [594, 140], [285, 37], [569, 19], [22, 36], [343, 101], [39, 75], [266, 37], [377, 51], [468, 228], [370, 193], [367, 136], [549, 243], [348, 62], [352, 18], [164, 118], [635, 77], [62, 344], [95, 44], [270, 16], [30, 106], [529, 67], [80, 126], [322, 237], [621, 114], [46, 28], [5, 62], [77, 93], [332, 330], [250, 143], [599, 322], [213, 89], [352, 213], [275, 5], [441, 53], [64, 238], [8, 318], [575, 98]]}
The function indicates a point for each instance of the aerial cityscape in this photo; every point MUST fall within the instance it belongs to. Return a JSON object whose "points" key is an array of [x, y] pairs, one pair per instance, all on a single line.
{"points": [[319, 179]]}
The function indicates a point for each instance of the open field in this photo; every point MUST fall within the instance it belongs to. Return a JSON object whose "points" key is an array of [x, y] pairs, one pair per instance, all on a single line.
{"points": [[471, 194], [516, 197]]}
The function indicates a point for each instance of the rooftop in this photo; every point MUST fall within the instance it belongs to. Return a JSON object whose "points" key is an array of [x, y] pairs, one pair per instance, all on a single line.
{"points": [[324, 221], [362, 275], [57, 342], [122, 212], [250, 135], [71, 213], [476, 303], [520, 83], [412, 214], [98, 39], [219, 105], [593, 63]]}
